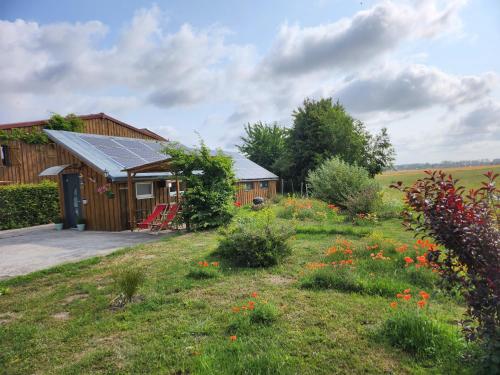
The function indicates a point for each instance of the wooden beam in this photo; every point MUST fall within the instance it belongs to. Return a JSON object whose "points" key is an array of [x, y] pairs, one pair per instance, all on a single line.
{"points": [[177, 188], [131, 200]]}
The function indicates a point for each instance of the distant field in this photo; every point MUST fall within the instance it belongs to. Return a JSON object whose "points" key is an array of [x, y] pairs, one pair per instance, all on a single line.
{"points": [[470, 177]]}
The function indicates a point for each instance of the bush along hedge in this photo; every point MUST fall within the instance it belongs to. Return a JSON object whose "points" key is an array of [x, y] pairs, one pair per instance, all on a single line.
{"points": [[28, 204]]}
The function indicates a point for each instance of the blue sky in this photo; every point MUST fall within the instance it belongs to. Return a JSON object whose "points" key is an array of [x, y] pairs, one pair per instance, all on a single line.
{"points": [[428, 70]]}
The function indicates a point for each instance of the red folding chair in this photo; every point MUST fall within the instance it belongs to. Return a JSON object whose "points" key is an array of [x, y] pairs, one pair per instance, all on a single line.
{"points": [[157, 212]]}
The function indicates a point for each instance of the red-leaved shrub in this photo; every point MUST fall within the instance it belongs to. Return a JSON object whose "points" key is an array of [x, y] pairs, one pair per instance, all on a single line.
{"points": [[467, 225]]}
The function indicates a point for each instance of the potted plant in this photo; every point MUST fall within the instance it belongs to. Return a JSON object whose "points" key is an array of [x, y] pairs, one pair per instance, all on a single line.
{"points": [[80, 224], [59, 223]]}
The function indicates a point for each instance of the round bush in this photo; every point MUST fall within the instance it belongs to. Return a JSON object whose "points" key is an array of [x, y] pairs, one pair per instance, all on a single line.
{"points": [[256, 241], [335, 181]]}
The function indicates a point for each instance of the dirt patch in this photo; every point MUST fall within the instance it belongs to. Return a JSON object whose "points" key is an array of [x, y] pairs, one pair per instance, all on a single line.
{"points": [[75, 297], [63, 315], [279, 280], [8, 317]]}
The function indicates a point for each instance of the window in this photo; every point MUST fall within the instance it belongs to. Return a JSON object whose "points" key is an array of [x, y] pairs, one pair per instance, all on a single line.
{"points": [[4, 155], [264, 184], [173, 188], [144, 190], [248, 186]]}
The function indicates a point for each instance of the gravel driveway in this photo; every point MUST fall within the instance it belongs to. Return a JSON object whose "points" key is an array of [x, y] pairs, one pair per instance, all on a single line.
{"points": [[31, 249]]}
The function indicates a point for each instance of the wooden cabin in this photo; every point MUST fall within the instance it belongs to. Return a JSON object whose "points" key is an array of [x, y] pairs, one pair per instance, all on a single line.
{"points": [[90, 169]]}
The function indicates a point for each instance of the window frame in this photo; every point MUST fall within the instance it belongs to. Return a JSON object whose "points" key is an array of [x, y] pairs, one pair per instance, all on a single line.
{"points": [[5, 156], [264, 187], [144, 196], [245, 185]]}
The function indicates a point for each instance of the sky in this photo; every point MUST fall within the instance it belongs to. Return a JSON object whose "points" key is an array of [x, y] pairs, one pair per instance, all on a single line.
{"points": [[427, 70]]}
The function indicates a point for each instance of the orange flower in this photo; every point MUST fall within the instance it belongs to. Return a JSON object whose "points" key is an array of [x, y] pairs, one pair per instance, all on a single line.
{"points": [[394, 305], [424, 295], [348, 251], [407, 297], [215, 264], [255, 294], [399, 295], [421, 303], [406, 291], [233, 338], [408, 260]]}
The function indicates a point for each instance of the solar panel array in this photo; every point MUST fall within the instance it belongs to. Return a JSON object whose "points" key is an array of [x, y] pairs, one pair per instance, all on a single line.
{"points": [[126, 152]]}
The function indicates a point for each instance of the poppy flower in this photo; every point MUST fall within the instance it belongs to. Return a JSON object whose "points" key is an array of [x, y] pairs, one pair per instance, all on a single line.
{"points": [[399, 295], [406, 291], [408, 260], [394, 305], [233, 338], [255, 294], [424, 295], [407, 297], [421, 303]]}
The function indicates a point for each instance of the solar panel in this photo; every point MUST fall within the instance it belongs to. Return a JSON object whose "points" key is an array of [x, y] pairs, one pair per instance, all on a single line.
{"points": [[126, 152]]}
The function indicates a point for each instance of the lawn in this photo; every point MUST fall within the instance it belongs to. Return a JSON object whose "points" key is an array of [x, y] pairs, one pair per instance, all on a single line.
{"points": [[60, 320], [470, 177]]}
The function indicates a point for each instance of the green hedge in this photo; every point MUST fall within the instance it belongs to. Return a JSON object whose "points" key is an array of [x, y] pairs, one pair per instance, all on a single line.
{"points": [[28, 204]]}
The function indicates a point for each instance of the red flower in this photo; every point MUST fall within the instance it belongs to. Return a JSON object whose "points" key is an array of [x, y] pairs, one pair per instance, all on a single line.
{"points": [[424, 295], [255, 294], [233, 338], [237, 204], [421, 303], [394, 305], [407, 297]]}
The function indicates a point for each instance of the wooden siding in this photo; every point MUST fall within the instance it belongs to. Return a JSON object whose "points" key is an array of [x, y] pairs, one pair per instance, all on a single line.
{"points": [[27, 161], [246, 197]]}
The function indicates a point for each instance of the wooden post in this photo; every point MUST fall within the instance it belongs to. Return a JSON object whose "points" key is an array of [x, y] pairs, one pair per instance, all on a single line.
{"points": [[131, 200], [177, 188], [168, 192], [61, 196]]}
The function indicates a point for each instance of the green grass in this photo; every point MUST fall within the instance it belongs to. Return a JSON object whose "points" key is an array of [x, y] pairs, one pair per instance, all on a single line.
{"points": [[59, 321], [470, 177]]}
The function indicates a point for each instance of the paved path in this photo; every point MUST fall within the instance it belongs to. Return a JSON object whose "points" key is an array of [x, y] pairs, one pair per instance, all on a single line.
{"points": [[31, 249]]}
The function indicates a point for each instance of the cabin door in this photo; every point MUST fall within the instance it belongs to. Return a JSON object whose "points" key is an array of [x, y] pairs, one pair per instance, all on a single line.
{"points": [[72, 199]]}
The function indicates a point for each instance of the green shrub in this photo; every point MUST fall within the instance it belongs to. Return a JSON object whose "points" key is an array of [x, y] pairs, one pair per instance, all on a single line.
{"points": [[28, 204], [208, 201], [335, 181], [4, 290], [128, 281], [264, 313], [417, 334], [364, 201], [255, 241]]}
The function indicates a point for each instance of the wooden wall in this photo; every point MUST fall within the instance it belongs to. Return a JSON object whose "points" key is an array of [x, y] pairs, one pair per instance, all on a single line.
{"points": [[246, 197], [29, 160]]}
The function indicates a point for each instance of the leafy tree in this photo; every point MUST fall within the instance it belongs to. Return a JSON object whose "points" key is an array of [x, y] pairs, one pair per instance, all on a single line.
{"points": [[323, 129], [210, 181], [264, 144]]}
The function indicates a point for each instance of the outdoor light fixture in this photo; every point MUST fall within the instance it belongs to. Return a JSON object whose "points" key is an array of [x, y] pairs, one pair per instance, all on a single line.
{"points": [[106, 173]]}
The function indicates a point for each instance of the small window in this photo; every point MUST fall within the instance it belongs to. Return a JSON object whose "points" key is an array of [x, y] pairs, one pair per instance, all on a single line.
{"points": [[144, 190], [264, 184], [173, 188], [4, 155], [248, 186]]}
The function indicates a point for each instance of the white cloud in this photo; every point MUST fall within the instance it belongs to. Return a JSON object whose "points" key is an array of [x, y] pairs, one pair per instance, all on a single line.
{"points": [[412, 87], [355, 41]]}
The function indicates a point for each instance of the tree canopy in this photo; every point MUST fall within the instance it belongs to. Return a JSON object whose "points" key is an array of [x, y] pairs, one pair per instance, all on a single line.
{"points": [[264, 144], [323, 129]]}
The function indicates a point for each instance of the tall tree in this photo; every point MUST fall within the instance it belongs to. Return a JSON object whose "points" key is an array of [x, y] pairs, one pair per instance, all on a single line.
{"points": [[323, 129], [264, 144]]}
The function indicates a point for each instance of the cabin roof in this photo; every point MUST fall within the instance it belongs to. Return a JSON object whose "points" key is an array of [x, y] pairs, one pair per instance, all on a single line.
{"points": [[93, 116], [113, 155]]}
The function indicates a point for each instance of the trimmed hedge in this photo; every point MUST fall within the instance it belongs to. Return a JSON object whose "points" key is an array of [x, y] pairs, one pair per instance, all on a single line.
{"points": [[25, 205]]}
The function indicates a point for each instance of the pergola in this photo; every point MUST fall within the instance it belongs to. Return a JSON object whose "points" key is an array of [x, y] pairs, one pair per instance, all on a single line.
{"points": [[159, 166]]}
